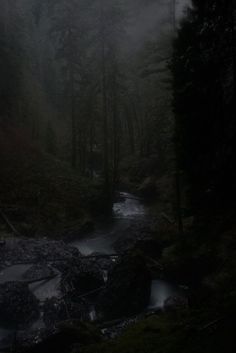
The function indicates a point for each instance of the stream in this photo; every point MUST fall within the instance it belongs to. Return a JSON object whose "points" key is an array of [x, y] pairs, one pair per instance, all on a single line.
{"points": [[127, 211]]}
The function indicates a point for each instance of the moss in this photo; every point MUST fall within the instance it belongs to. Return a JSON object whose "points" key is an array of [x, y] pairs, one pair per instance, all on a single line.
{"points": [[40, 194], [171, 334]]}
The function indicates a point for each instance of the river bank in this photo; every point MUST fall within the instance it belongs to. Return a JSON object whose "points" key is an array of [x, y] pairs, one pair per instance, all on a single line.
{"points": [[69, 280]]}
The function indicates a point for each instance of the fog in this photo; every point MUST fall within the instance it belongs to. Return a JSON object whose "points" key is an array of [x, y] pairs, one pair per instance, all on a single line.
{"points": [[151, 19], [117, 176]]}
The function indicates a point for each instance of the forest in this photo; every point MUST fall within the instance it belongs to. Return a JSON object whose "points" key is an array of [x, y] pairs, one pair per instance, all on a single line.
{"points": [[117, 176]]}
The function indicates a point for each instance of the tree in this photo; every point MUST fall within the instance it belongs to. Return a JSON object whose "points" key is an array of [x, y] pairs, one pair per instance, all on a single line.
{"points": [[71, 30], [204, 62], [109, 32]]}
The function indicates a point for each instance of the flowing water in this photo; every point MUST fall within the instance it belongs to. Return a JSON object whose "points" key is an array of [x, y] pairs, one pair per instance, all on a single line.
{"points": [[127, 211], [161, 291]]}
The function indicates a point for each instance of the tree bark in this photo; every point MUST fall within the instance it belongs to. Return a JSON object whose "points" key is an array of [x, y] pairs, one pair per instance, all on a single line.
{"points": [[73, 118], [106, 174]]}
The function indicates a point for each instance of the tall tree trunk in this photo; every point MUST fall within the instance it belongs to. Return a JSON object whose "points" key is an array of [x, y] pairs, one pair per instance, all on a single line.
{"points": [[177, 152], [105, 125], [106, 173], [233, 31], [130, 126], [178, 191], [73, 121], [174, 14], [91, 144], [116, 142]]}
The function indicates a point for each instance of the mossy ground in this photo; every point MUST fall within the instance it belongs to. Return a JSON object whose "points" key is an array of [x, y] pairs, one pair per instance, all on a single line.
{"points": [[172, 333], [41, 195]]}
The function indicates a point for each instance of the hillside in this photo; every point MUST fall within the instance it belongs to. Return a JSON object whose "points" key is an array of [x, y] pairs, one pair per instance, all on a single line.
{"points": [[41, 195]]}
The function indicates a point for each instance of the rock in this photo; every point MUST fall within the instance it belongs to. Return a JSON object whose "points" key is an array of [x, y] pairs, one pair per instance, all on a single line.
{"points": [[176, 302], [27, 340], [56, 310], [63, 338], [53, 250], [128, 288], [32, 250], [140, 231], [18, 306], [81, 276], [38, 271], [102, 263]]}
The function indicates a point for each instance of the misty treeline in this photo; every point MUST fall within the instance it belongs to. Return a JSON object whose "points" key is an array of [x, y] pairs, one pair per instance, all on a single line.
{"points": [[77, 77], [204, 69]]}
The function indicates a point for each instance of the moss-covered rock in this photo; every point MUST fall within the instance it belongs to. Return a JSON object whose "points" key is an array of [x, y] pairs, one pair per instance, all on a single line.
{"points": [[18, 306], [128, 287], [69, 336]]}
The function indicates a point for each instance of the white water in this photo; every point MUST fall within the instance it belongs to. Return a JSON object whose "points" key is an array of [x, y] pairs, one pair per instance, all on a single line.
{"points": [[126, 212], [160, 292], [129, 207], [93, 314], [105, 276]]}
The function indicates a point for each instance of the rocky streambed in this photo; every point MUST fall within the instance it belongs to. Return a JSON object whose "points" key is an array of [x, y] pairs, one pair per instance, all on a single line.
{"points": [[44, 283]]}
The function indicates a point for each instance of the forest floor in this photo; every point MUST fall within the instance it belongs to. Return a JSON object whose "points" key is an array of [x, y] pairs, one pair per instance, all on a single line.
{"points": [[40, 195]]}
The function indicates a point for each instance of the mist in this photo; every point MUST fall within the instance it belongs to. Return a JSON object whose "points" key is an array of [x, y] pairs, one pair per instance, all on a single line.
{"points": [[117, 176]]}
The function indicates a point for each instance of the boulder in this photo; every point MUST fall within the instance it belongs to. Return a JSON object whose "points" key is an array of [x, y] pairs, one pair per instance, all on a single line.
{"points": [[31, 250], [176, 302], [56, 310], [80, 277], [140, 231], [68, 336], [18, 306], [128, 288], [38, 271]]}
